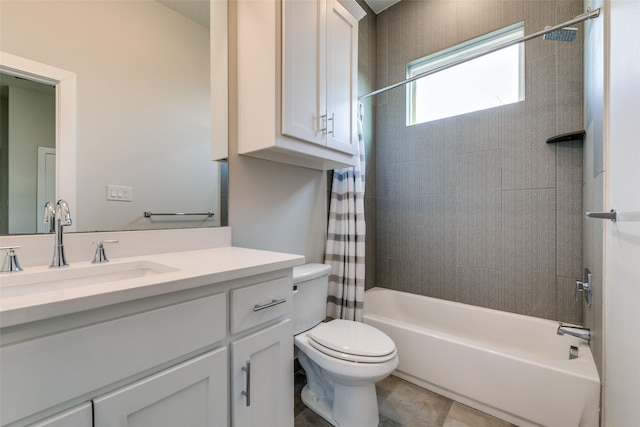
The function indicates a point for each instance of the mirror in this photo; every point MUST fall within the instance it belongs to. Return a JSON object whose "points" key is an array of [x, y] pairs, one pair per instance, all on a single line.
{"points": [[31, 128], [141, 115]]}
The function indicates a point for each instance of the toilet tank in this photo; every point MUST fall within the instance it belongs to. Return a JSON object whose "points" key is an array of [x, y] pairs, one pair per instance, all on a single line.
{"points": [[310, 283]]}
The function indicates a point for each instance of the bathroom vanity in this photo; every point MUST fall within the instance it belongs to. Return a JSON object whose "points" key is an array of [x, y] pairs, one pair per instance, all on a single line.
{"points": [[197, 337]]}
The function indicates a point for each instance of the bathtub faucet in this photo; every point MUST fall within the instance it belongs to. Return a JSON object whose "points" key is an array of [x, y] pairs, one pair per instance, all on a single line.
{"points": [[575, 331]]}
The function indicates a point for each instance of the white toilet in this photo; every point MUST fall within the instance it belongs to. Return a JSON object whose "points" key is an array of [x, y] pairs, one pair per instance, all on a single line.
{"points": [[342, 359]]}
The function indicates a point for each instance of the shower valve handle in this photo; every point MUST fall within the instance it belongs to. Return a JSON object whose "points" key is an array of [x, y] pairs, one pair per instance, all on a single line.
{"points": [[585, 287]]}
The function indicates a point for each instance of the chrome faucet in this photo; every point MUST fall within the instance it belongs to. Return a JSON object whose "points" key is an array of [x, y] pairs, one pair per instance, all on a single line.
{"points": [[57, 218], [49, 217], [574, 331]]}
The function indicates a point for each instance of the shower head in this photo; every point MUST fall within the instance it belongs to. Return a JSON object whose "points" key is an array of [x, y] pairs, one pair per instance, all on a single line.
{"points": [[566, 34]]}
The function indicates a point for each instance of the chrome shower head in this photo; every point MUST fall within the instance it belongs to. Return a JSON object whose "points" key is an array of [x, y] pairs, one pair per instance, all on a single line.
{"points": [[566, 34]]}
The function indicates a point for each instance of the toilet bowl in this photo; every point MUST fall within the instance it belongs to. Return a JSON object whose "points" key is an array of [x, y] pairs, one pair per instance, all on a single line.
{"points": [[342, 359]]}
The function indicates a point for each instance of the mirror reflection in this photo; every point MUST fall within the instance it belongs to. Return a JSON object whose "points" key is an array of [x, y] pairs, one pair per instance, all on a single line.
{"points": [[27, 153], [143, 114]]}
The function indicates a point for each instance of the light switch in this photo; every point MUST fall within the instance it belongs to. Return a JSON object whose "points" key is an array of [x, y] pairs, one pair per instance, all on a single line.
{"points": [[120, 193]]}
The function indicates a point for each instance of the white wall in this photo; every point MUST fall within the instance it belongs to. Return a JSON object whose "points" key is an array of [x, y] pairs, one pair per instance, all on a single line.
{"points": [[622, 240], [143, 102], [278, 207]]}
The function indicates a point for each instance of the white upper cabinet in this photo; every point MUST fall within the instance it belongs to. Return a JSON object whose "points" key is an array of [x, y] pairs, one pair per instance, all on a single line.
{"points": [[296, 64]]}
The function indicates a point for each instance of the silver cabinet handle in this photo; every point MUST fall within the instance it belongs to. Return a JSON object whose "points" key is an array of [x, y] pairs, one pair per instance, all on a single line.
{"points": [[273, 302], [247, 392], [323, 118], [333, 124]]}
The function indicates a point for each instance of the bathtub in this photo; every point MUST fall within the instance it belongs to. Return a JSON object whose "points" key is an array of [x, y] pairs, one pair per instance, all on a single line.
{"points": [[508, 365]]}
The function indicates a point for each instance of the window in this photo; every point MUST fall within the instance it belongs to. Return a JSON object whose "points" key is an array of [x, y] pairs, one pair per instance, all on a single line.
{"points": [[488, 81]]}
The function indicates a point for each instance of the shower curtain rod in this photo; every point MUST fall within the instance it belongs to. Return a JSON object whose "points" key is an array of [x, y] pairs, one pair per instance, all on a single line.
{"points": [[582, 17]]}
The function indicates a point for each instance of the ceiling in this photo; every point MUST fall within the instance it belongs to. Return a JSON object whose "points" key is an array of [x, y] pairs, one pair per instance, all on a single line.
{"points": [[198, 10], [379, 5]]}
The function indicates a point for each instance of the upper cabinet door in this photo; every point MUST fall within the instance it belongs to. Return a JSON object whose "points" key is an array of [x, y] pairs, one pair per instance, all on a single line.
{"points": [[192, 394], [342, 75], [303, 71]]}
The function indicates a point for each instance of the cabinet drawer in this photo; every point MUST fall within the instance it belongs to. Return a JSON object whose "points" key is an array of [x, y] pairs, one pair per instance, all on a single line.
{"points": [[43, 372], [260, 303]]}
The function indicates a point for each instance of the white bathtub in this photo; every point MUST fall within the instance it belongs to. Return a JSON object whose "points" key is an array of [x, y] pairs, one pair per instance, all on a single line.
{"points": [[512, 366]]}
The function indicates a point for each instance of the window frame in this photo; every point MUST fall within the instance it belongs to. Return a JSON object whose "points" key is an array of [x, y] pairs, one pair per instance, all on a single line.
{"points": [[457, 52]]}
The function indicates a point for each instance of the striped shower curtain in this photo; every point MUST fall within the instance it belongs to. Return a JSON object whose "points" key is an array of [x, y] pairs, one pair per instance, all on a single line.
{"points": [[346, 238]]}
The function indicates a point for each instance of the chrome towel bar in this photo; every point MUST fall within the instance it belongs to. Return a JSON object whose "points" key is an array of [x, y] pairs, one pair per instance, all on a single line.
{"points": [[148, 214]]}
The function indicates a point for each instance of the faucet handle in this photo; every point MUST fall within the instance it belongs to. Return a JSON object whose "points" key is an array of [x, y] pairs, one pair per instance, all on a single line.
{"points": [[100, 255], [11, 260], [585, 287]]}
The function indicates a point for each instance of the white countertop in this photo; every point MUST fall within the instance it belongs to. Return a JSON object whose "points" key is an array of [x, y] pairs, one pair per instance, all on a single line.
{"points": [[193, 269]]}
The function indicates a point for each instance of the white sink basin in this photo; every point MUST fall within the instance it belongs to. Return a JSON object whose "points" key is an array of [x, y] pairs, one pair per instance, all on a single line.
{"points": [[55, 279]]}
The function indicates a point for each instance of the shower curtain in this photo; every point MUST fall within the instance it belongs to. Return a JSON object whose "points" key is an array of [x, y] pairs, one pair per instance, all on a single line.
{"points": [[346, 238]]}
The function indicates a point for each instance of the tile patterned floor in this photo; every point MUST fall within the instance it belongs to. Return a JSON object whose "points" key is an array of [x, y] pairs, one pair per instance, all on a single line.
{"points": [[404, 404]]}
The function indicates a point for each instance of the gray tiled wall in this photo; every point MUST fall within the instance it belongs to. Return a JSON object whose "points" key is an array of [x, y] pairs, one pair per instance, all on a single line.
{"points": [[366, 83], [478, 208]]}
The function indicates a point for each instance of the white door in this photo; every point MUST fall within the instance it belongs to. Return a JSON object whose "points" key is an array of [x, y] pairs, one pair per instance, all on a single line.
{"points": [[192, 394], [622, 239], [79, 416], [46, 191], [262, 378], [342, 66]]}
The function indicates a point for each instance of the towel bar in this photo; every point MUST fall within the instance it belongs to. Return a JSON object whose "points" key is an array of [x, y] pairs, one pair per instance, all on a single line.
{"points": [[148, 214]]}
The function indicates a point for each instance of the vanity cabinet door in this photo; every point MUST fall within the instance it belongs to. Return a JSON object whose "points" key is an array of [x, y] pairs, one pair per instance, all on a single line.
{"points": [[80, 416], [262, 378], [191, 394]]}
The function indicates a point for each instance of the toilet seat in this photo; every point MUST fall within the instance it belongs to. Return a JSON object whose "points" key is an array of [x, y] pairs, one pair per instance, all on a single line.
{"points": [[352, 341]]}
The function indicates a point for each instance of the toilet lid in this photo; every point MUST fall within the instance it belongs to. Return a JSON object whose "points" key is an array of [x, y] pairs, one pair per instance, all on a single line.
{"points": [[348, 338]]}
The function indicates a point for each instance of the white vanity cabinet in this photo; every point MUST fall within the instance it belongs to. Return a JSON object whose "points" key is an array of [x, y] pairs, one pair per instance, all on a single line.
{"points": [[162, 361], [262, 362], [296, 64]]}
